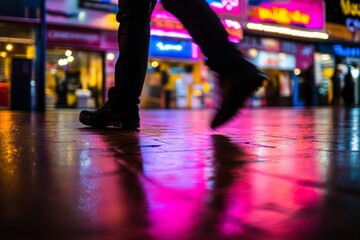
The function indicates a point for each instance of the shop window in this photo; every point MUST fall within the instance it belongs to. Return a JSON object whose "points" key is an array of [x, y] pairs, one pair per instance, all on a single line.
{"points": [[176, 84], [74, 79], [8, 51]]}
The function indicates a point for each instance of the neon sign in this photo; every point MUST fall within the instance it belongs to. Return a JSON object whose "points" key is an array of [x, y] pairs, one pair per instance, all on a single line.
{"points": [[349, 8], [300, 13], [280, 15], [225, 6], [164, 24], [169, 47], [166, 47], [352, 24], [346, 51]]}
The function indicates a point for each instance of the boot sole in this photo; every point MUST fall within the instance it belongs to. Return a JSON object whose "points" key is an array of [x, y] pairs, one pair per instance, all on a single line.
{"points": [[117, 124]]}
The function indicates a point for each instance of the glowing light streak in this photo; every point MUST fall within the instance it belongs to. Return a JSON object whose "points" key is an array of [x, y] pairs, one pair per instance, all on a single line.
{"points": [[167, 33], [287, 31]]}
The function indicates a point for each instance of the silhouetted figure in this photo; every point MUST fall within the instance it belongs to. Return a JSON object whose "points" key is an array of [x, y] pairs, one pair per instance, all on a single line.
{"points": [[336, 91], [165, 78], [61, 93], [348, 90], [309, 84], [272, 92]]}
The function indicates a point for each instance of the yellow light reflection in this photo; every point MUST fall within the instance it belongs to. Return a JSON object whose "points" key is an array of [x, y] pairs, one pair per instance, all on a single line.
{"points": [[287, 31], [8, 150]]}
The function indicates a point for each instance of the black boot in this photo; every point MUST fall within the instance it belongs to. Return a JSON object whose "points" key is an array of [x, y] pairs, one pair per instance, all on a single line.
{"points": [[236, 88], [106, 116], [121, 110]]}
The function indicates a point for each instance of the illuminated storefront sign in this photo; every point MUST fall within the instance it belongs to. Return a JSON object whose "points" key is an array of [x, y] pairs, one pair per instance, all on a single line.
{"points": [[76, 36], [271, 60], [165, 24], [282, 52], [346, 51], [166, 47], [351, 10], [281, 15], [102, 5], [225, 6], [343, 19], [306, 14]]}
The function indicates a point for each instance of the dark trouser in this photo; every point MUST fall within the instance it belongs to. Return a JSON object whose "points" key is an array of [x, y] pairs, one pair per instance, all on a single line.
{"points": [[134, 34]]}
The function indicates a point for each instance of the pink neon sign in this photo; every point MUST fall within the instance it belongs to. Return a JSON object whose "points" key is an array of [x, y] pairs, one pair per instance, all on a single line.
{"points": [[165, 24], [222, 7], [225, 6], [307, 14]]}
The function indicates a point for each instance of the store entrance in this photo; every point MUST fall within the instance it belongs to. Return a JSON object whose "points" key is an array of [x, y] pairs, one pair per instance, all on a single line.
{"points": [[351, 84], [277, 91], [74, 79], [12, 78], [174, 85]]}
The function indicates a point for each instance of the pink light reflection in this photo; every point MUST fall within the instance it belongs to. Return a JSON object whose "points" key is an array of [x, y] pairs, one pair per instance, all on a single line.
{"points": [[176, 202]]}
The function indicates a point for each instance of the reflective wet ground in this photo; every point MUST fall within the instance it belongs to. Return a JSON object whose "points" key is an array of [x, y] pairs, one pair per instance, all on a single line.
{"points": [[288, 174]]}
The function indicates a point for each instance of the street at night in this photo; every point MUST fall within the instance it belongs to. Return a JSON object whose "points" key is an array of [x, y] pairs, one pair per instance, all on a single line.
{"points": [[271, 173]]}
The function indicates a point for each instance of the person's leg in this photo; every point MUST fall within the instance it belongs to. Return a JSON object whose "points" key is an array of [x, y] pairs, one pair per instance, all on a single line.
{"points": [[122, 109], [133, 40], [207, 31], [238, 77]]}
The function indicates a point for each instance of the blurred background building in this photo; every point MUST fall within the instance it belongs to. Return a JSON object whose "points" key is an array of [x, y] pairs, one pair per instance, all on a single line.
{"points": [[61, 53]]}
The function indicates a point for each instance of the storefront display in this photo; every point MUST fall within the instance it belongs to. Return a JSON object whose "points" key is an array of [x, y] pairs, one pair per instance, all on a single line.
{"points": [[172, 48], [74, 68], [15, 44], [282, 60], [340, 57]]}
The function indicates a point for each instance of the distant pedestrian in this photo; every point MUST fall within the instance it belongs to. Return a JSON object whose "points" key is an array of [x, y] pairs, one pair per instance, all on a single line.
{"points": [[309, 85], [349, 89], [238, 77], [336, 83], [167, 92]]}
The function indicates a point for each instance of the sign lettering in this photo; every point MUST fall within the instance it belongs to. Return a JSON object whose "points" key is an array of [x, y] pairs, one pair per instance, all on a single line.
{"points": [[280, 15], [349, 8]]}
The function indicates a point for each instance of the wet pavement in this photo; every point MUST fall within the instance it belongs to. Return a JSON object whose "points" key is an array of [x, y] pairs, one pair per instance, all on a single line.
{"points": [[269, 174]]}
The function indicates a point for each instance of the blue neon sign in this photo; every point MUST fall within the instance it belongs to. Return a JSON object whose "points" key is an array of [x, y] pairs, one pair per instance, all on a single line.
{"points": [[346, 51], [163, 47]]}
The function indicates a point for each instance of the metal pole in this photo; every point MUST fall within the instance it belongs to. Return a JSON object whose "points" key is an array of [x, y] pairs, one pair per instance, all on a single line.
{"points": [[41, 58]]}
